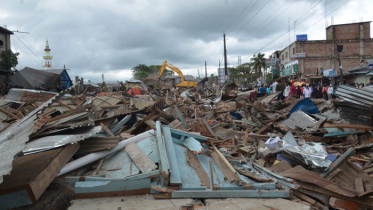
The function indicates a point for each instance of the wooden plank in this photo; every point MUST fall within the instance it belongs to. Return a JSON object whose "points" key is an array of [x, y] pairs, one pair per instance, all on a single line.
{"points": [[262, 129], [305, 198], [225, 166], [111, 186], [70, 113], [122, 123], [8, 113], [338, 162], [359, 185], [107, 130], [212, 174], [353, 126], [163, 157], [183, 133], [180, 116], [231, 194], [194, 162], [33, 174], [141, 160], [175, 178], [65, 105], [73, 179]]}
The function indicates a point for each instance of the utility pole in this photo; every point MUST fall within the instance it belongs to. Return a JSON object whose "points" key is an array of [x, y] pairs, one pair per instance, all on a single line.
{"points": [[225, 57], [339, 58], [205, 69], [295, 23]]}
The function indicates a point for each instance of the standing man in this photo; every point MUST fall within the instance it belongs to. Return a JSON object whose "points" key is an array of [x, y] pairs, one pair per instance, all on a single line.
{"points": [[273, 86], [371, 82], [307, 91], [293, 90], [330, 92], [262, 91], [287, 90]]}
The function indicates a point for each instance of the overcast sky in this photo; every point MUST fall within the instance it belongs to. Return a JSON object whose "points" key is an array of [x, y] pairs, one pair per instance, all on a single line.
{"points": [[110, 37]]}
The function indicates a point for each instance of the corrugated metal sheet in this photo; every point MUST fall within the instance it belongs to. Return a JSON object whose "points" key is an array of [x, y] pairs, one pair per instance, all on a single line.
{"points": [[300, 119], [139, 104], [362, 97], [104, 101], [26, 95], [51, 142], [13, 139]]}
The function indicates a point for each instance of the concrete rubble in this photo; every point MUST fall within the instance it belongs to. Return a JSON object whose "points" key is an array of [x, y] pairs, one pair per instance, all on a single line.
{"points": [[197, 144]]}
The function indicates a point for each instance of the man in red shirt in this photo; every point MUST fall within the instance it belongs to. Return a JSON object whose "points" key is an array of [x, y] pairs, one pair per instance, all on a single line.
{"points": [[293, 90]]}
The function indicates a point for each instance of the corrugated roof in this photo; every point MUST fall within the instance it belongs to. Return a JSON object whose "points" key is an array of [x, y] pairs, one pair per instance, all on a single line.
{"points": [[51, 142], [13, 139]]}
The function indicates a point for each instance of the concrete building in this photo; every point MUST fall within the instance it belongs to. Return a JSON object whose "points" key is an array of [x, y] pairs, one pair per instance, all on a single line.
{"points": [[307, 59], [4, 45], [4, 39]]}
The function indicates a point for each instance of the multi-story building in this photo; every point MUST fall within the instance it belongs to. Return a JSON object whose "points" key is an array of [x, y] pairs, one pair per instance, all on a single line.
{"points": [[345, 47]]}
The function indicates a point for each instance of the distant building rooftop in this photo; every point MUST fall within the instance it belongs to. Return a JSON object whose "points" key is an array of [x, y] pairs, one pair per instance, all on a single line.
{"points": [[4, 30]]}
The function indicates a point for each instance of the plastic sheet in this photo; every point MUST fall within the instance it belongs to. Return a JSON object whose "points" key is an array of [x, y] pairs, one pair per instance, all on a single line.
{"points": [[305, 105]]}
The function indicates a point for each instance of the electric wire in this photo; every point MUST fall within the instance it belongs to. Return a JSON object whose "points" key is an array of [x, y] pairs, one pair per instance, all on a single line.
{"points": [[27, 47]]}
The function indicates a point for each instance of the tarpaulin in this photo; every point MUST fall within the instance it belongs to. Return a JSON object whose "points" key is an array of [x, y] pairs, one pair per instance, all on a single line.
{"points": [[305, 105], [134, 91]]}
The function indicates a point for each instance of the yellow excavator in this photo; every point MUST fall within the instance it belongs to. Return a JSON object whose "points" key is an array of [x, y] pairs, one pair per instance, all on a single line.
{"points": [[180, 81]]}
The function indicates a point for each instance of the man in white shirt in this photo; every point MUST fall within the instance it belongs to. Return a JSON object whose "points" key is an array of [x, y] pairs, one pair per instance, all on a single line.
{"points": [[273, 86], [307, 91], [287, 90], [330, 92]]}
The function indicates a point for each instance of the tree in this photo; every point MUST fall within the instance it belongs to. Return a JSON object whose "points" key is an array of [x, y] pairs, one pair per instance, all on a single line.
{"points": [[258, 62], [141, 72], [8, 59], [155, 70], [234, 73]]}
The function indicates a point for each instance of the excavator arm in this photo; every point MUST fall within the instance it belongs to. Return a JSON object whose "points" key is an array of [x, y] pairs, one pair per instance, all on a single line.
{"points": [[178, 72], [172, 67]]}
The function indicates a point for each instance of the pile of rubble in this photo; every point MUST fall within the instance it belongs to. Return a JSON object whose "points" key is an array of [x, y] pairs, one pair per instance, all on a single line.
{"points": [[187, 143]]}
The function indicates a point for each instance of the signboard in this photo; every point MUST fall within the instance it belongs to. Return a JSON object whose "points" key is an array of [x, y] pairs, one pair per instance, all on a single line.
{"points": [[370, 66], [327, 72], [302, 37], [272, 61], [293, 59], [300, 55], [287, 72], [332, 73]]}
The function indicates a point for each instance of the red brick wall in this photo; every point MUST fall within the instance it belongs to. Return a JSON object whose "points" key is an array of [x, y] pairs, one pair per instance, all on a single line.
{"points": [[366, 30], [368, 48], [348, 63], [350, 31], [350, 48], [317, 49], [347, 31], [310, 66]]}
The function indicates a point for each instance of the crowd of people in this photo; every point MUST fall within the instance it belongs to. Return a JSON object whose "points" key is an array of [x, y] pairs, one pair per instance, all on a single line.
{"points": [[302, 90], [298, 90]]}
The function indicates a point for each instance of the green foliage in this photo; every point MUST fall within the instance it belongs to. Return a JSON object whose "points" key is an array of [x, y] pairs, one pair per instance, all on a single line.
{"points": [[258, 62], [143, 71], [8, 59]]}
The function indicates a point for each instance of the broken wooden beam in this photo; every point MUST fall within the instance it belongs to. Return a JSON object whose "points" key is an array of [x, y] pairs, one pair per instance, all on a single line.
{"points": [[225, 166], [21, 188], [141, 160], [337, 163], [353, 126], [107, 130]]}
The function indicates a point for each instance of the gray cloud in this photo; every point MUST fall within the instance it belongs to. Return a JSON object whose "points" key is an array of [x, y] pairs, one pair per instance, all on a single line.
{"points": [[111, 37]]}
